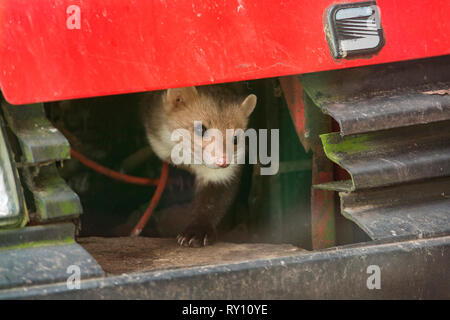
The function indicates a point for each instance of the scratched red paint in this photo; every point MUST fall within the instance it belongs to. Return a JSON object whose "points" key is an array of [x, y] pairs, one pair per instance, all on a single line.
{"points": [[130, 46]]}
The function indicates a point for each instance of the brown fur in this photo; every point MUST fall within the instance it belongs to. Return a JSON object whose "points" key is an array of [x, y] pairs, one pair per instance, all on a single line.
{"points": [[220, 107]]}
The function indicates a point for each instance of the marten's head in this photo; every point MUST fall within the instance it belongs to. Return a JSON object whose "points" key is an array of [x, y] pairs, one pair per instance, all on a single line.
{"points": [[214, 117]]}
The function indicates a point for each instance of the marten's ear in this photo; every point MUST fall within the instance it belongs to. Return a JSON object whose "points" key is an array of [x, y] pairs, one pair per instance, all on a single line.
{"points": [[180, 96], [248, 105]]}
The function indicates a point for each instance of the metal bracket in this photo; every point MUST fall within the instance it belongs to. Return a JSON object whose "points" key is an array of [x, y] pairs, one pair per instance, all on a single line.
{"points": [[41, 145]]}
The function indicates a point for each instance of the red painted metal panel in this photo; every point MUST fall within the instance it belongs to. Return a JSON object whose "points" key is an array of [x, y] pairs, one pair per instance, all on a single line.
{"points": [[137, 45], [293, 93]]}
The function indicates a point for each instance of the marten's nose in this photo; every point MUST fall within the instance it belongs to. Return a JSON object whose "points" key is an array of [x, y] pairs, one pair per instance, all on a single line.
{"points": [[222, 162]]}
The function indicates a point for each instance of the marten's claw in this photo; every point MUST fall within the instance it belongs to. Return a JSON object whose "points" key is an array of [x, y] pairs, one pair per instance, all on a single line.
{"points": [[195, 237], [192, 242], [181, 240]]}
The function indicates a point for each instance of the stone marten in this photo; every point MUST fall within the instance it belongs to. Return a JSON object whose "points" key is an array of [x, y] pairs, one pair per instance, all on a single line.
{"points": [[196, 110]]}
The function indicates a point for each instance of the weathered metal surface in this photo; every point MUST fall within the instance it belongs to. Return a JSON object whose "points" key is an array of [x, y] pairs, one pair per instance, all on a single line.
{"points": [[322, 201], [342, 185], [38, 139], [339, 273], [322, 206], [34, 234], [53, 198], [44, 263], [394, 143], [383, 97], [394, 156], [37, 255], [415, 210]]}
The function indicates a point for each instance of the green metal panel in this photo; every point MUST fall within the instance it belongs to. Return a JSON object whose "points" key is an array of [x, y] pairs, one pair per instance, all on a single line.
{"points": [[39, 140], [40, 145], [280, 203], [53, 198]]}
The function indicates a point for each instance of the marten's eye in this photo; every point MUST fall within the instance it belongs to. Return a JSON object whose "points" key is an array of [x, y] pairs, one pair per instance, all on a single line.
{"points": [[235, 140], [199, 129]]}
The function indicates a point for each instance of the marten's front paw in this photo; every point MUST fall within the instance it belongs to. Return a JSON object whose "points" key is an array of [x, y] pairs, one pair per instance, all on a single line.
{"points": [[197, 235]]}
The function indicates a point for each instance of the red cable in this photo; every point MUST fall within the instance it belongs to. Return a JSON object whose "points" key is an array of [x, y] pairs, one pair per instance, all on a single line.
{"points": [[160, 185], [154, 202], [111, 173]]}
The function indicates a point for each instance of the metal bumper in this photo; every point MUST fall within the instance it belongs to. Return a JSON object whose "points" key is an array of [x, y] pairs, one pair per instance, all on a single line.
{"points": [[415, 269]]}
